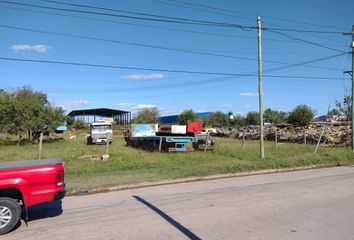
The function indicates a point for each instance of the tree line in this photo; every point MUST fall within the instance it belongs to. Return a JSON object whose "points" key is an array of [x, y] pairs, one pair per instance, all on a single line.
{"points": [[25, 112], [300, 116]]}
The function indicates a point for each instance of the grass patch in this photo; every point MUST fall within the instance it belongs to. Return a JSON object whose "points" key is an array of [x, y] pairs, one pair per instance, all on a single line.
{"points": [[129, 165]]}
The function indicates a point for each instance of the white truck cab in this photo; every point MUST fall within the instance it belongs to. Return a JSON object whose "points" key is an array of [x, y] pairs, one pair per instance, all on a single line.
{"points": [[100, 133]]}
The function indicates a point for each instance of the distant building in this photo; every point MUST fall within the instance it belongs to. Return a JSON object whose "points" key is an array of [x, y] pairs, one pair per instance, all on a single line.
{"points": [[120, 117], [173, 119]]}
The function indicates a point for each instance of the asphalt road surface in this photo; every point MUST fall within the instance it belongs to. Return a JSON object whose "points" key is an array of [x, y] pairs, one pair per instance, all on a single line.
{"points": [[311, 204]]}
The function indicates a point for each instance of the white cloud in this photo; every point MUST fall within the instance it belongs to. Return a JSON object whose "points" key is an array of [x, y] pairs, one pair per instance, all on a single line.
{"points": [[141, 106], [134, 106], [145, 76], [40, 48], [71, 104], [248, 94], [124, 105]]}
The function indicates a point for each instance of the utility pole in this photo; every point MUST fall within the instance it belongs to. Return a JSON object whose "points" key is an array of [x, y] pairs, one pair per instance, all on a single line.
{"points": [[260, 90], [351, 72], [352, 87]]}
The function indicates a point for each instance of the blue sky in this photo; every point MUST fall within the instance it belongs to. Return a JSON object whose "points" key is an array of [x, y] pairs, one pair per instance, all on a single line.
{"points": [[74, 87]]}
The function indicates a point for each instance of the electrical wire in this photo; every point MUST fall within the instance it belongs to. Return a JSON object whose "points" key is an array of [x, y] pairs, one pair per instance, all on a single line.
{"points": [[143, 25], [192, 51], [188, 6], [167, 19], [158, 69], [223, 10], [186, 19], [161, 19], [163, 28], [302, 40]]}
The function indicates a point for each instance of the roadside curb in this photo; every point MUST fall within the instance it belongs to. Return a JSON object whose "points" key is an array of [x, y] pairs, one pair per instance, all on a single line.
{"points": [[198, 179]]}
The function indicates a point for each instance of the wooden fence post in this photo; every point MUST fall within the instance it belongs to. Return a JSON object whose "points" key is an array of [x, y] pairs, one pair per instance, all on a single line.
{"points": [[40, 146], [107, 145], [319, 139], [305, 136], [206, 141], [243, 140], [160, 144]]}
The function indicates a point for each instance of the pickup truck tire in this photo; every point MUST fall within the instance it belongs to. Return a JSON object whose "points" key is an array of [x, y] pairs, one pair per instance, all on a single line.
{"points": [[10, 213]]}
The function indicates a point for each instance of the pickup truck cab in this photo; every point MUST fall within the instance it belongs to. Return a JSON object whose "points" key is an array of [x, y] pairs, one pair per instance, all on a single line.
{"points": [[27, 183]]}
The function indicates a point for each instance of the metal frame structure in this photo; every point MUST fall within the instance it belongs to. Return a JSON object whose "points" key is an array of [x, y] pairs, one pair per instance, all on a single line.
{"points": [[120, 117]]}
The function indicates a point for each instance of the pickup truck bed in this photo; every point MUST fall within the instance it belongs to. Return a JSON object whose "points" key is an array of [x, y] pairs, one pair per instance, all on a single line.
{"points": [[29, 163], [27, 183]]}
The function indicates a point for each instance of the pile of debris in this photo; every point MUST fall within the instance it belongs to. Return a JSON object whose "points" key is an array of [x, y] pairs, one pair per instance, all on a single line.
{"points": [[333, 135]]}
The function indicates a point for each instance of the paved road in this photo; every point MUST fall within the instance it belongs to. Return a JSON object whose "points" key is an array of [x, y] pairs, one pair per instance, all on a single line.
{"points": [[312, 204]]}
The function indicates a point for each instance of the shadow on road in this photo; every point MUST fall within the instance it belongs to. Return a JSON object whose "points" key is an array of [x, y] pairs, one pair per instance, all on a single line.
{"points": [[170, 220], [45, 210]]}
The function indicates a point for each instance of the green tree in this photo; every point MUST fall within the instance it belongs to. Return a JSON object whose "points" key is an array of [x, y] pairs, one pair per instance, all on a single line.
{"points": [[69, 120], [186, 116], [27, 111], [5, 101], [217, 119], [273, 116], [79, 125], [345, 107], [301, 116], [147, 115], [26, 93], [13, 122], [334, 112], [252, 118], [238, 121]]}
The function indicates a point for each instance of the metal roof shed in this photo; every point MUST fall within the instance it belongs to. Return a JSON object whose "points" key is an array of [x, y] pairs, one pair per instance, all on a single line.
{"points": [[120, 117]]}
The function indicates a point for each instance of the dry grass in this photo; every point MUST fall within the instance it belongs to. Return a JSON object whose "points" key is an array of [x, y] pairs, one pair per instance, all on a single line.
{"points": [[128, 165]]}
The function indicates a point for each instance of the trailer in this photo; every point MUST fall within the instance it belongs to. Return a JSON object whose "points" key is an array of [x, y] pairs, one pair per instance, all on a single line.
{"points": [[163, 143], [176, 138]]}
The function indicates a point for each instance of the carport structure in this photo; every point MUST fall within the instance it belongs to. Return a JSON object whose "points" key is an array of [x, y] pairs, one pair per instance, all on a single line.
{"points": [[120, 117]]}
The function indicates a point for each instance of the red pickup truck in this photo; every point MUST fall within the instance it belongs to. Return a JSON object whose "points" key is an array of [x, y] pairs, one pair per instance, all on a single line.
{"points": [[27, 183]]}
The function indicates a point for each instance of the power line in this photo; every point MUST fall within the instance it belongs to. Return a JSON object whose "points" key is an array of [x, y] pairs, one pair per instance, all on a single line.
{"points": [[248, 18], [186, 19], [223, 10], [302, 31], [201, 10], [193, 51], [161, 19], [166, 19], [143, 25], [173, 93], [129, 43], [159, 27], [140, 25], [130, 12], [159, 69], [302, 40], [305, 62]]}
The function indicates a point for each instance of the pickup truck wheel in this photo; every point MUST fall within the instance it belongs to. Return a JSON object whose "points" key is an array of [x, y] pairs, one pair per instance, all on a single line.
{"points": [[10, 212]]}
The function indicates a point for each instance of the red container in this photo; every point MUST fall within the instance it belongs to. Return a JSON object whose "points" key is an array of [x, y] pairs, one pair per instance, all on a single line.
{"points": [[194, 127]]}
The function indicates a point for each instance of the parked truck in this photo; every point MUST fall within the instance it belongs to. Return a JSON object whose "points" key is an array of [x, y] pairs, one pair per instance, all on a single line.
{"points": [[24, 184], [100, 133], [170, 138]]}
